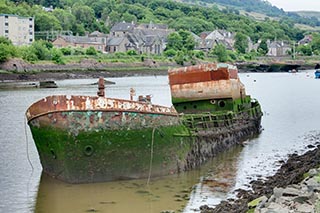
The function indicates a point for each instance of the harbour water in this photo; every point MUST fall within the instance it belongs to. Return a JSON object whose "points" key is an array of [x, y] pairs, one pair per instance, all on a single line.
{"points": [[291, 121]]}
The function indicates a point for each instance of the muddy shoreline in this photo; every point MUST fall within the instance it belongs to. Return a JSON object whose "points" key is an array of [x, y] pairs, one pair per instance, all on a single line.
{"points": [[291, 172], [16, 70]]}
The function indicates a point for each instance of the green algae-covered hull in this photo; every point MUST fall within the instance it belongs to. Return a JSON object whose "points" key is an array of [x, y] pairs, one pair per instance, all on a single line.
{"points": [[79, 146]]}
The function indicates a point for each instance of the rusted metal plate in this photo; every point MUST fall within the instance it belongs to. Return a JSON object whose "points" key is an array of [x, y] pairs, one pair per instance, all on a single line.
{"points": [[87, 103], [208, 90], [202, 73]]}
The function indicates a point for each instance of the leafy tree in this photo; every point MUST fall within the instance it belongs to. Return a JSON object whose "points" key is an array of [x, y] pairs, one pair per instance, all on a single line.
{"points": [[263, 47], [46, 21], [174, 41], [84, 14], [315, 44], [241, 42], [221, 52], [66, 19]]}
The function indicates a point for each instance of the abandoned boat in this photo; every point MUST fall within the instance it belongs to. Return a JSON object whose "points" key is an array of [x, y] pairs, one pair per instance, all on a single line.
{"points": [[83, 139]]}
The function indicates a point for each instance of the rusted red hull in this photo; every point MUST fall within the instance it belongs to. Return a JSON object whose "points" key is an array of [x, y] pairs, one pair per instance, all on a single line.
{"points": [[206, 81]]}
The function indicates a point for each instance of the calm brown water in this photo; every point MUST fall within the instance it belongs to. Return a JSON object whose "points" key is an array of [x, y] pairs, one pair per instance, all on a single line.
{"points": [[291, 121]]}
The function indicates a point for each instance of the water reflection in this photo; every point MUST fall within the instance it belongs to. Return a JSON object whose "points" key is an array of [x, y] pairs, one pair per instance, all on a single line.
{"points": [[170, 193]]}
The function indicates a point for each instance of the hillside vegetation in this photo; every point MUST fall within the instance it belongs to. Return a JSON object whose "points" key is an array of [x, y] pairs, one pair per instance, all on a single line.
{"points": [[262, 7], [91, 15]]}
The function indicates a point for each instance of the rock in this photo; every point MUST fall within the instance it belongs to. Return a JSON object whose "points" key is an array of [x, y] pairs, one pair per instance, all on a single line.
{"points": [[305, 208], [313, 172], [277, 208], [291, 192], [277, 192]]}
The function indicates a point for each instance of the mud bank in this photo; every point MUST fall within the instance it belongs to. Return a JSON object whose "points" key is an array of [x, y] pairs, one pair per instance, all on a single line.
{"points": [[291, 172], [19, 70]]}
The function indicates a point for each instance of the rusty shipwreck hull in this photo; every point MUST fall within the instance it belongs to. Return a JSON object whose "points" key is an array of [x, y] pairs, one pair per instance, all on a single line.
{"points": [[84, 139], [205, 81]]}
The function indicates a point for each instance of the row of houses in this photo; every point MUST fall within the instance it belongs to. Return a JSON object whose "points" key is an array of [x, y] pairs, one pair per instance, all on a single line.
{"points": [[143, 38]]}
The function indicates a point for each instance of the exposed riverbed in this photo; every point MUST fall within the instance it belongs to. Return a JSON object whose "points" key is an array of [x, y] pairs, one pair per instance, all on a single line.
{"points": [[291, 119]]}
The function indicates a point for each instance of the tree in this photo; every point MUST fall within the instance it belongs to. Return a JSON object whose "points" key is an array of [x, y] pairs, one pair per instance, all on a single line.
{"points": [[263, 47], [66, 19], [241, 43], [221, 52], [84, 14], [174, 41], [46, 21]]}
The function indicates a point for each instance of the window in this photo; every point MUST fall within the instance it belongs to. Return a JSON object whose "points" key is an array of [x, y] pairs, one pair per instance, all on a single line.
{"points": [[30, 40], [30, 19], [6, 17], [30, 33], [30, 26], [6, 24], [6, 31]]}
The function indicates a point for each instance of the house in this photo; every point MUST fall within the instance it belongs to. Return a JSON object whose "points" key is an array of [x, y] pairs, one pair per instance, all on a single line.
{"points": [[20, 30], [306, 40], [121, 29], [210, 39], [117, 44], [99, 43], [278, 48], [144, 38]]}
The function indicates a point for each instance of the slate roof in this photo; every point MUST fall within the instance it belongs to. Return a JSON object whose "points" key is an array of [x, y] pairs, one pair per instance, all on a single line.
{"points": [[97, 34], [115, 41], [123, 27], [83, 39]]}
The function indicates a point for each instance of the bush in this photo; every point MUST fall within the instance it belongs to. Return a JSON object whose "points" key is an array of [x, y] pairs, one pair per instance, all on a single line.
{"points": [[170, 53], [40, 50], [66, 50], [179, 58], [57, 56], [120, 54], [199, 54], [6, 52], [131, 52], [28, 54], [79, 51], [91, 51]]}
